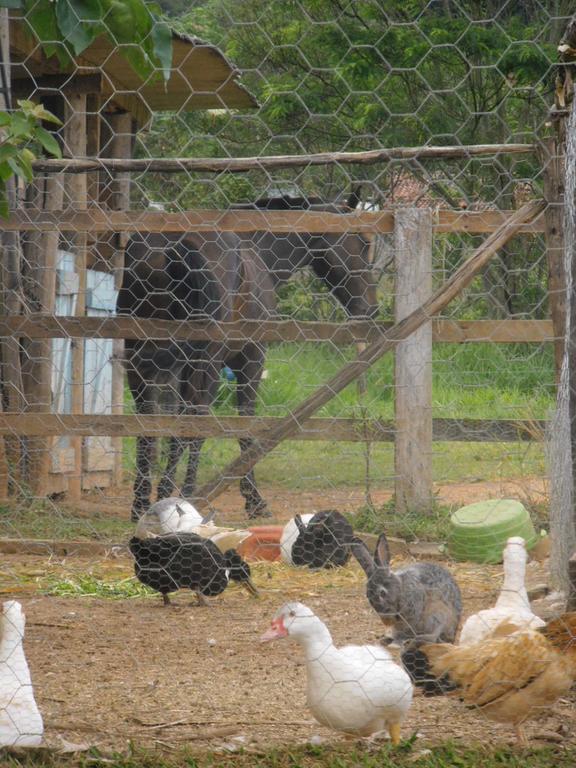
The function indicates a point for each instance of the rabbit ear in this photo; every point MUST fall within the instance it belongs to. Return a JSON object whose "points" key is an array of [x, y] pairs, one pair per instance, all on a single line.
{"points": [[299, 523], [362, 554], [382, 552]]}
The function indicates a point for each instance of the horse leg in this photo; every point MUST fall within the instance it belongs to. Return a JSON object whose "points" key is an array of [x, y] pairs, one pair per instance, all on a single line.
{"points": [[194, 449], [167, 485], [248, 367], [144, 402]]}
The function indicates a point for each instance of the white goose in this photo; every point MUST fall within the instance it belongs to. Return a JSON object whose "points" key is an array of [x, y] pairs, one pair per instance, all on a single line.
{"points": [[357, 689], [175, 515], [20, 720], [512, 606]]}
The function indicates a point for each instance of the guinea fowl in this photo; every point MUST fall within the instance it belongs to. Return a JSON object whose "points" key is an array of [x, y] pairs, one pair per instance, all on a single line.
{"points": [[357, 689], [176, 515], [20, 720], [188, 561], [512, 606]]}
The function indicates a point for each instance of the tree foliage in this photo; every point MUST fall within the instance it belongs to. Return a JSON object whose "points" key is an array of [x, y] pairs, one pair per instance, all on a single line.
{"points": [[65, 28]]}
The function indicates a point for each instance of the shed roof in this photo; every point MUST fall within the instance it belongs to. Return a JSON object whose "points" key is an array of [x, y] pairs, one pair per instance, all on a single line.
{"points": [[202, 77]]}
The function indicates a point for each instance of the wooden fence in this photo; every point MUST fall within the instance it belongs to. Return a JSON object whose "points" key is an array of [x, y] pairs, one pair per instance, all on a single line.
{"points": [[411, 336], [413, 430]]}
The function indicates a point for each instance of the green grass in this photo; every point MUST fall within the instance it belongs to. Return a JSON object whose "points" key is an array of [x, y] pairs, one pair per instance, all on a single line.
{"points": [[411, 753], [47, 519], [482, 381], [87, 585]]}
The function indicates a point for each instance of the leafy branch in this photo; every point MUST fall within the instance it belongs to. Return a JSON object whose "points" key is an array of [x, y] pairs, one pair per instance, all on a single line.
{"points": [[18, 130], [65, 28]]}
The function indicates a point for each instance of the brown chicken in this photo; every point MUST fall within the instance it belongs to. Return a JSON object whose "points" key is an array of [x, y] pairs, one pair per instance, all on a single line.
{"points": [[510, 677]]}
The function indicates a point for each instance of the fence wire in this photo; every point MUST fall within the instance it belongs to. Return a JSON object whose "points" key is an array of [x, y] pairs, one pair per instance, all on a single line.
{"points": [[232, 359]]}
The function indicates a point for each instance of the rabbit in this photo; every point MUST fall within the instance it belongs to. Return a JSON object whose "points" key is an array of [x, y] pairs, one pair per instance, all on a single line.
{"points": [[186, 560], [324, 542], [421, 601]]}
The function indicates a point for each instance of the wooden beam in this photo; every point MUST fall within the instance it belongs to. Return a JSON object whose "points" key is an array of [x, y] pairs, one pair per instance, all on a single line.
{"points": [[233, 427], [243, 164], [413, 364], [95, 220], [276, 331], [25, 87], [399, 332]]}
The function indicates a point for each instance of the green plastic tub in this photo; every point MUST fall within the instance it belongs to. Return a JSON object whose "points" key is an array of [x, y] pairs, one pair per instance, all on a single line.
{"points": [[478, 532]]}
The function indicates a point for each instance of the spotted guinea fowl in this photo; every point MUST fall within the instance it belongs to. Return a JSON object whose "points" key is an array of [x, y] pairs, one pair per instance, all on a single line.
{"points": [[357, 689], [187, 561]]}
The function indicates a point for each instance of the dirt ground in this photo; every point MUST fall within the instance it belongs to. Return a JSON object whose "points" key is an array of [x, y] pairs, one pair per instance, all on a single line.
{"points": [[107, 672]]}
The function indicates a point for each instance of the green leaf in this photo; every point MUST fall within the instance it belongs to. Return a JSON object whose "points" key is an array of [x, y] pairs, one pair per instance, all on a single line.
{"points": [[38, 111], [11, 4], [78, 34], [48, 141], [20, 168], [5, 172], [7, 151], [21, 126], [4, 207], [162, 47], [5, 119]]}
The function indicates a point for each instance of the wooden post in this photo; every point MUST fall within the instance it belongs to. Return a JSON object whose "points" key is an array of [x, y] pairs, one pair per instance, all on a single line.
{"points": [[413, 363], [552, 160], [10, 449], [399, 332], [571, 596], [75, 145], [120, 146]]}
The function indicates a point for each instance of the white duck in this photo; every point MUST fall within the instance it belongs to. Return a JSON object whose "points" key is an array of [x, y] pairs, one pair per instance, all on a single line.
{"points": [[289, 535], [175, 515], [357, 689], [20, 720], [512, 606]]}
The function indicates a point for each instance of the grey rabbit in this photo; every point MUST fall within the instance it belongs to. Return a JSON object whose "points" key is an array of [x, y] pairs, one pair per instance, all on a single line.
{"points": [[421, 601]]}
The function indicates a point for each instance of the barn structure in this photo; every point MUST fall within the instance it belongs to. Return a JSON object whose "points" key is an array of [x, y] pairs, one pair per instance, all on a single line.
{"points": [[102, 103]]}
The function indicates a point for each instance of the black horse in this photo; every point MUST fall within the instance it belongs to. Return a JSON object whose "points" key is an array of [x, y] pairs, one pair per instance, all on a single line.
{"points": [[218, 276], [341, 260], [191, 277]]}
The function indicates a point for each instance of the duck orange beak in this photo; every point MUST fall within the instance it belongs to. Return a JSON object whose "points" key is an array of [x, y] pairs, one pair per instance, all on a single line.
{"points": [[276, 631]]}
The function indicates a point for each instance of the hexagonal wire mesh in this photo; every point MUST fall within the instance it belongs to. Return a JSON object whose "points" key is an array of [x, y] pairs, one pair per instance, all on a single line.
{"points": [[193, 344]]}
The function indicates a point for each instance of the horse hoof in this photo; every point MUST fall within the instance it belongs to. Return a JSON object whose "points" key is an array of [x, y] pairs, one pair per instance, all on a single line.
{"points": [[258, 510]]}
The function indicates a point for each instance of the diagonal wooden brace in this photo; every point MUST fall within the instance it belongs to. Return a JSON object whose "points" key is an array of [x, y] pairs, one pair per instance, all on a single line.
{"points": [[400, 331]]}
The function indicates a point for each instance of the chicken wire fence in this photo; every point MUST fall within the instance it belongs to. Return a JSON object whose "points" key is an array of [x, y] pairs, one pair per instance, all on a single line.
{"points": [[297, 277]]}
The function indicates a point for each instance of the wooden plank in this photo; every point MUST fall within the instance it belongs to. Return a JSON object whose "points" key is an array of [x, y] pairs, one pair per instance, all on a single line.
{"points": [[233, 427], [27, 88], [75, 142], [41, 255], [413, 364], [553, 160], [350, 332], [95, 220], [350, 372], [242, 164]]}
